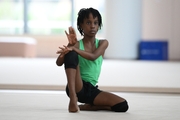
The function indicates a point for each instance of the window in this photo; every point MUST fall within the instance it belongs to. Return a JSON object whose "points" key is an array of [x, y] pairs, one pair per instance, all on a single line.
{"points": [[11, 17], [48, 16], [42, 17]]}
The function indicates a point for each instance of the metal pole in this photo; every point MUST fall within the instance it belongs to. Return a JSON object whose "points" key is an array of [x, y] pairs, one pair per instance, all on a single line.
{"points": [[72, 13], [25, 16]]}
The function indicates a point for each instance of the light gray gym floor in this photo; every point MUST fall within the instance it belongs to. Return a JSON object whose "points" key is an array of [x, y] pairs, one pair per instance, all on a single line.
{"points": [[52, 105]]}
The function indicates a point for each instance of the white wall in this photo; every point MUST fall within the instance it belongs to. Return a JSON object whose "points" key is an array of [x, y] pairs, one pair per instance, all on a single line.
{"points": [[161, 20], [123, 28]]}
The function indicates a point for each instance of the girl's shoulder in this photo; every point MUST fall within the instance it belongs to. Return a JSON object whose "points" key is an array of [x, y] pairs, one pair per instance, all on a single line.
{"points": [[77, 44], [103, 41]]}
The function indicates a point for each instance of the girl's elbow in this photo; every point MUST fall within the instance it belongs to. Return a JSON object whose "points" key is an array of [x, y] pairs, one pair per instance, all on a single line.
{"points": [[92, 58], [58, 64]]}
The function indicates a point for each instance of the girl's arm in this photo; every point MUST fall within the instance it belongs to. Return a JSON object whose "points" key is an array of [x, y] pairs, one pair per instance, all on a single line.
{"points": [[103, 44], [60, 60], [72, 42], [63, 51]]}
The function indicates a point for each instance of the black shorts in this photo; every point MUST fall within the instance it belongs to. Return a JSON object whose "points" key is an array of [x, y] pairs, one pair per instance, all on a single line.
{"points": [[87, 93]]}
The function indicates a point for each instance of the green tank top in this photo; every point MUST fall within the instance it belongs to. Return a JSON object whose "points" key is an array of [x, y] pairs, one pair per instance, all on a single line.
{"points": [[90, 70]]}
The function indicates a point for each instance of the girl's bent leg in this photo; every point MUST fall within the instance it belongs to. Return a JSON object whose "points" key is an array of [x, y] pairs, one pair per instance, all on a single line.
{"points": [[70, 73], [73, 77], [111, 101]]}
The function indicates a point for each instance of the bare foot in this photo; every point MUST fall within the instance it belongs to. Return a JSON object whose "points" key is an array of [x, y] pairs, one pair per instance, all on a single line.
{"points": [[73, 107]]}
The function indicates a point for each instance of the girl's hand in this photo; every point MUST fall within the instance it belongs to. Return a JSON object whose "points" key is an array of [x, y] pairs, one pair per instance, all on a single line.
{"points": [[71, 36], [63, 50]]}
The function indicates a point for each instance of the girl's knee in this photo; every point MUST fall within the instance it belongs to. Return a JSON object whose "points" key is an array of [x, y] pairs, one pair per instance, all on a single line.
{"points": [[120, 107], [71, 60]]}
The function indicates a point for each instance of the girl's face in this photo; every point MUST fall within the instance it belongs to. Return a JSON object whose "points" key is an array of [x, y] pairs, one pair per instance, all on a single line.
{"points": [[90, 26]]}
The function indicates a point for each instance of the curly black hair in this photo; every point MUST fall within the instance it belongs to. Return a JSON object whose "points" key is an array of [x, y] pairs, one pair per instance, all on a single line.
{"points": [[84, 13]]}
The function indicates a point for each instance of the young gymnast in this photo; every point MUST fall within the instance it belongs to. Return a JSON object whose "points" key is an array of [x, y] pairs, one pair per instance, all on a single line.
{"points": [[82, 61]]}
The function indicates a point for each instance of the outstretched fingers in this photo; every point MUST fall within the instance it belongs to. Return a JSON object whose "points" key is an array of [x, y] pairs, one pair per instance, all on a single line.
{"points": [[71, 36], [63, 50], [72, 31]]}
